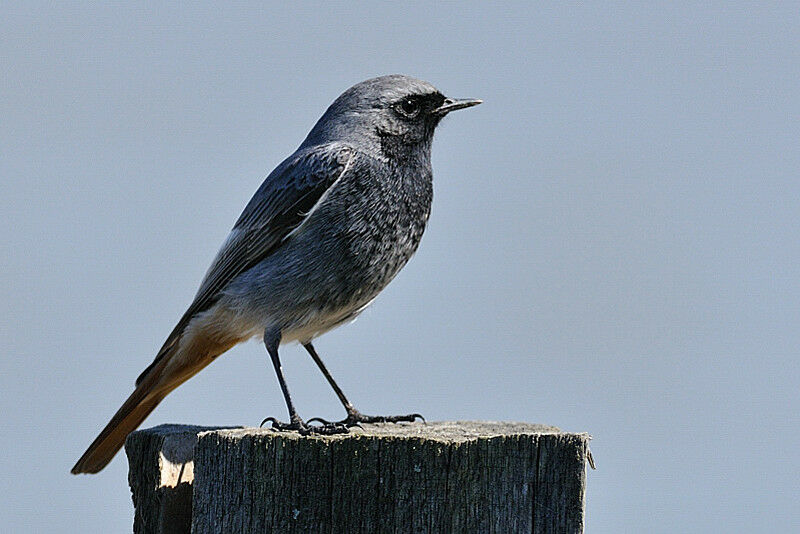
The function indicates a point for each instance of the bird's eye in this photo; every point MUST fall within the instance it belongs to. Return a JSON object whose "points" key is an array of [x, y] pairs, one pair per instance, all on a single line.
{"points": [[408, 107]]}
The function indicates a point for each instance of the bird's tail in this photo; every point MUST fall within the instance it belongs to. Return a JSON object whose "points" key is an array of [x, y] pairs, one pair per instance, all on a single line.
{"points": [[142, 401], [171, 369]]}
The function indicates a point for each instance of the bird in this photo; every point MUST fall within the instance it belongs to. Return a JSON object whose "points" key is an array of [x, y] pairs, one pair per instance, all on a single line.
{"points": [[327, 230]]}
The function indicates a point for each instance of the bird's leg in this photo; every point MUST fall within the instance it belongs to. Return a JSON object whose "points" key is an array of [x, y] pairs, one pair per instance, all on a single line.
{"points": [[354, 417], [272, 341]]}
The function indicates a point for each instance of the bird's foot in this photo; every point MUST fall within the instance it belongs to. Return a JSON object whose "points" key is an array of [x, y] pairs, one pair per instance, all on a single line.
{"points": [[355, 418], [305, 429]]}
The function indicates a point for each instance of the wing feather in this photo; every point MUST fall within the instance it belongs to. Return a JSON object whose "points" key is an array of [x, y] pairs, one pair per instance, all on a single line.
{"points": [[280, 205]]}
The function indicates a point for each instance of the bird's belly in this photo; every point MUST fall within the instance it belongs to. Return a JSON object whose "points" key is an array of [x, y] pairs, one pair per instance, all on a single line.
{"points": [[341, 285], [317, 321]]}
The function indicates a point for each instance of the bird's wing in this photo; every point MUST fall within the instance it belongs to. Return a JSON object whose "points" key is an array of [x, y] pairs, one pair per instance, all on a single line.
{"points": [[279, 206]]}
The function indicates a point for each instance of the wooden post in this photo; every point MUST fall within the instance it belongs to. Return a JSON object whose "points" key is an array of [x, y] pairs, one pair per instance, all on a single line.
{"points": [[161, 472], [434, 477]]}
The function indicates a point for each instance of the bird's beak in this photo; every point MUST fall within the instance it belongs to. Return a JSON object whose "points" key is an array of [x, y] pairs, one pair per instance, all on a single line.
{"points": [[451, 104]]}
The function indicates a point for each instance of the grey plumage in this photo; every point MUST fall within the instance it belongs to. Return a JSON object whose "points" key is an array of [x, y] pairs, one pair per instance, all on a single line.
{"points": [[327, 230]]}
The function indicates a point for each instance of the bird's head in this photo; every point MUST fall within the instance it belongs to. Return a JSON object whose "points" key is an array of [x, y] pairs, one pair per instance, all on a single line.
{"points": [[393, 114]]}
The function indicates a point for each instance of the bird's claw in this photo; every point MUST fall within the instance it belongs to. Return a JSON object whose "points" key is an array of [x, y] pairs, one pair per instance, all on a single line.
{"points": [[304, 428], [271, 420], [356, 418], [321, 421], [361, 418], [327, 428], [343, 423]]}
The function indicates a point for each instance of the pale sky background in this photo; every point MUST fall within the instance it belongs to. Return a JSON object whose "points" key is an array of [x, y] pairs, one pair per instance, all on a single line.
{"points": [[614, 243]]}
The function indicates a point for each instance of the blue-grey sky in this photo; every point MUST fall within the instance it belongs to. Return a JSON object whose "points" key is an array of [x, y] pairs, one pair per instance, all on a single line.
{"points": [[614, 243]]}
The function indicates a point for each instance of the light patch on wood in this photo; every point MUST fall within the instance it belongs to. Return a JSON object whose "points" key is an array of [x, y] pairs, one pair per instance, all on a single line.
{"points": [[176, 460]]}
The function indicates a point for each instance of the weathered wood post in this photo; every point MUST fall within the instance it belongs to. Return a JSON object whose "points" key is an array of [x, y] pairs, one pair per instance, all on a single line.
{"points": [[434, 477]]}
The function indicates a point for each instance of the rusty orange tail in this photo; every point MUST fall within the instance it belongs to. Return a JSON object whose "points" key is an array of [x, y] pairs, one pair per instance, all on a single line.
{"points": [[173, 367]]}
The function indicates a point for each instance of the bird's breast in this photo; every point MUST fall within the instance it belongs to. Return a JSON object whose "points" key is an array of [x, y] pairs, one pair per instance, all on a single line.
{"points": [[380, 213]]}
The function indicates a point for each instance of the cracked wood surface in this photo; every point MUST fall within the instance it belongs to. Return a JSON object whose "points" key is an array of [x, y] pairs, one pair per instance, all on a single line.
{"points": [[437, 477]]}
